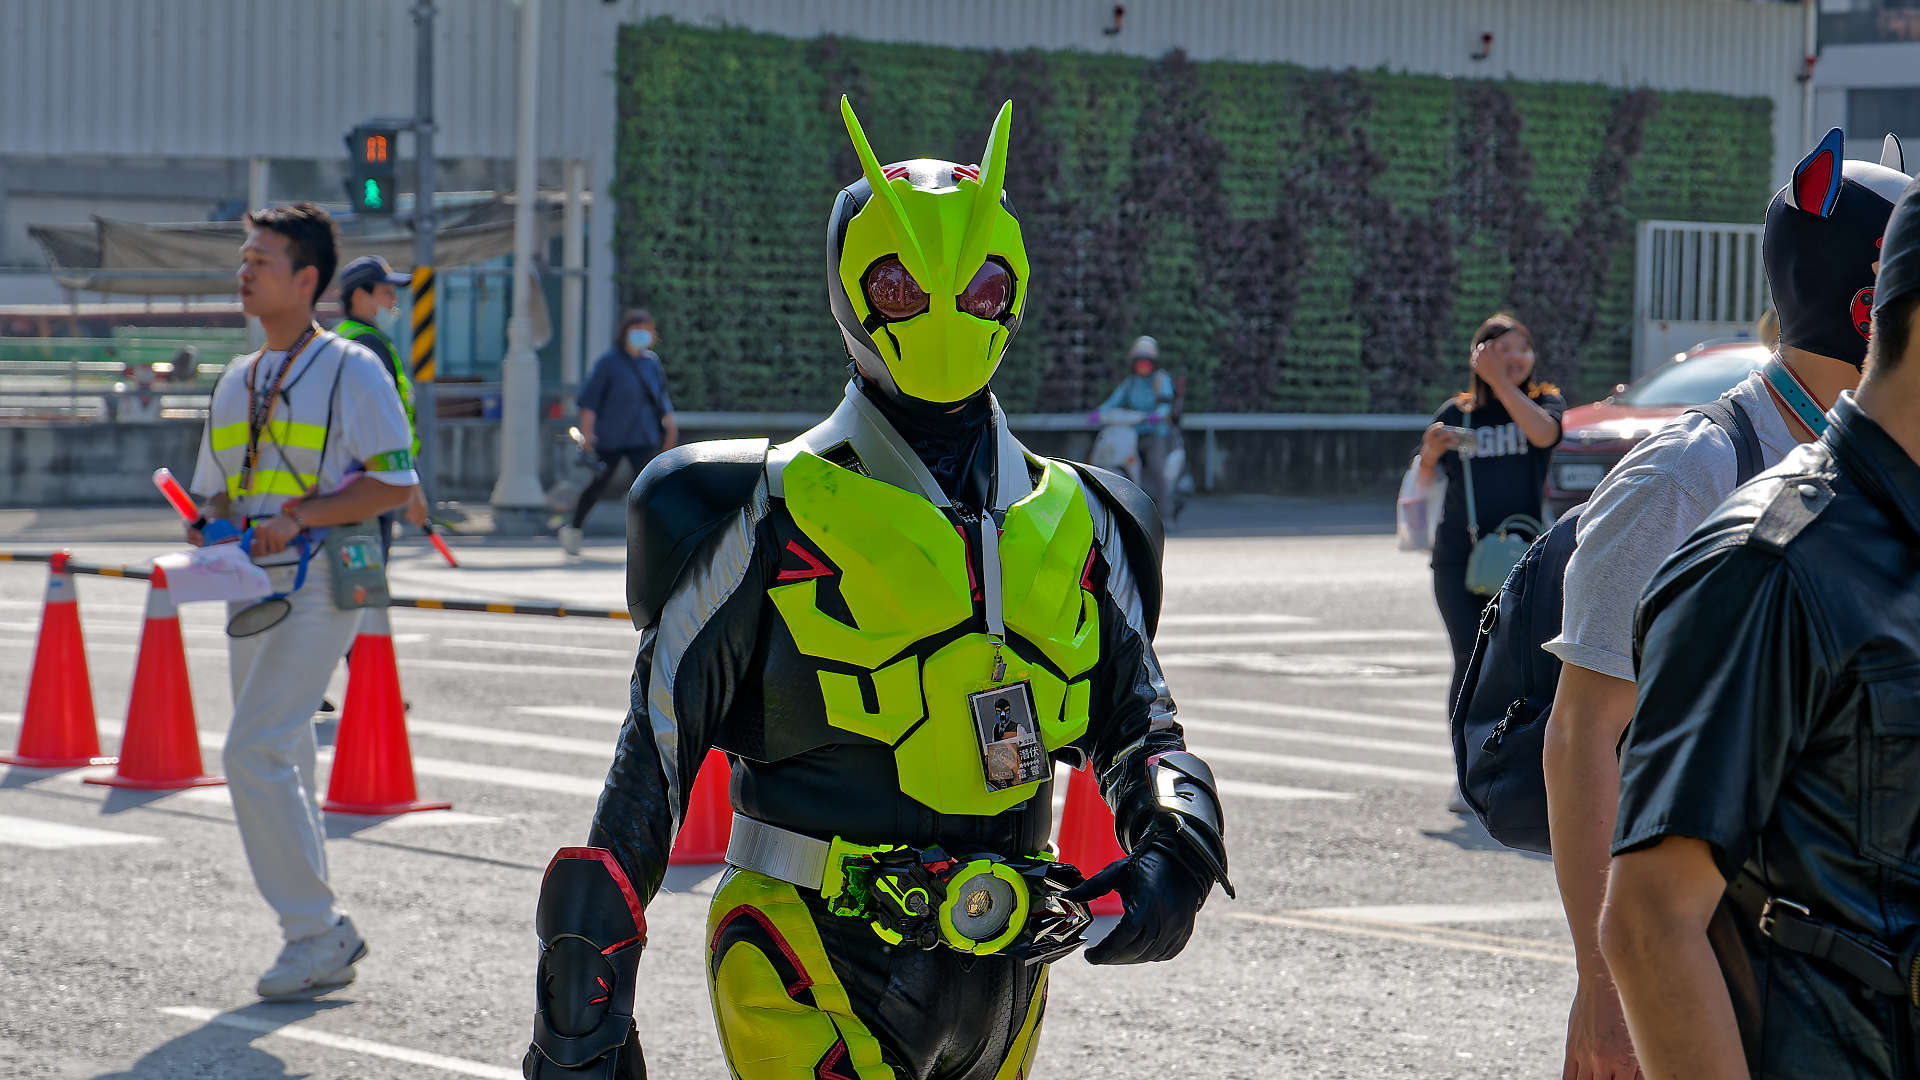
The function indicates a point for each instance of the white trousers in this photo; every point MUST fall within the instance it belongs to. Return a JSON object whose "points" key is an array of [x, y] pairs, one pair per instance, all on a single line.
{"points": [[279, 678]]}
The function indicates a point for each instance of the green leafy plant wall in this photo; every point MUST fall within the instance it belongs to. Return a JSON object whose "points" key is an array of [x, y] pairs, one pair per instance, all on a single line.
{"points": [[1297, 240]]}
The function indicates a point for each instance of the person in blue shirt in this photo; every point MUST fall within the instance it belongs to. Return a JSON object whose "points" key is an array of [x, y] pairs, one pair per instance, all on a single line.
{"points": [[1149, 390], [625, 413]]}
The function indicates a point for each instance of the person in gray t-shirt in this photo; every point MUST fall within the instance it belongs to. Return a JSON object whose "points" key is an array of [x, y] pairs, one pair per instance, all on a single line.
{"points": [[1821, 242]]}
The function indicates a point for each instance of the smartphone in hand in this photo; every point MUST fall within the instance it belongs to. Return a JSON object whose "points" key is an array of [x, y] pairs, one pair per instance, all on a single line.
{"points": [[1465, 442]]}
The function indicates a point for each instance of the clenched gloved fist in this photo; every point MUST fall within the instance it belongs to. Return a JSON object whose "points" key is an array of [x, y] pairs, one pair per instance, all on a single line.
{"points": [[1162, 888]]}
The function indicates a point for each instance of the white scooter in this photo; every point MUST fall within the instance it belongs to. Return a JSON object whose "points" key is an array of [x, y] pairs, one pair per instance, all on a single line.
{"points": [[1117, 447]]}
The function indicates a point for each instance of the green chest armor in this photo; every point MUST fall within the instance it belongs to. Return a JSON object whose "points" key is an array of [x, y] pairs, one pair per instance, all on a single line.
{"points": [[905, 579]]}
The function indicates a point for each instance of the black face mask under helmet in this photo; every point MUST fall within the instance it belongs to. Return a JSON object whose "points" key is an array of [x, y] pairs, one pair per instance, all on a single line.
{"points": [[1823, 236]]}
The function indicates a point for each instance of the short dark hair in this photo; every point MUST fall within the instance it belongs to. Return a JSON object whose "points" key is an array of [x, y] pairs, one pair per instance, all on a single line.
{"points": [[1892, 332], [311, 240], [631, 319]]}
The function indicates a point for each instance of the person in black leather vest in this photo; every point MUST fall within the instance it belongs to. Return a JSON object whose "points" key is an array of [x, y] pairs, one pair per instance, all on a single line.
{"points": [[1763, 913]]}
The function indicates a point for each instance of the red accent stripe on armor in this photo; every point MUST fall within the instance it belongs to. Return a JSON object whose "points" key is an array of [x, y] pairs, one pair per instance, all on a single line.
{"points": [[966, 549], [618, 945], [748, 911], [966, 172], [894, 172], [1086, 573], [815, 568], [605, 858], [829, 1067]]}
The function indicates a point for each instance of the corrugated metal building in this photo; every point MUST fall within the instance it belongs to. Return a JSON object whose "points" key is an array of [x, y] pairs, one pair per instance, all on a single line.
{"points": [[138, 108]]}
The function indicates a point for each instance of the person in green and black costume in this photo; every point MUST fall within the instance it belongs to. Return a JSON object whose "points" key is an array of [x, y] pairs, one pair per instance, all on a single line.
{"points": [[368, 296], [894, 625]]}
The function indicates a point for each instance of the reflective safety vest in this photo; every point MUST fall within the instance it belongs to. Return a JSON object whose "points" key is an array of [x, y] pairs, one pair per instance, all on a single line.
{"points": [[355, 330], [293, 442]]}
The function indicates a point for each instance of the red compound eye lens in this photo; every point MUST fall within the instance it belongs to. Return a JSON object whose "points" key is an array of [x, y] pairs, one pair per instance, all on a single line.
{"points": [[892, 291], [989, 293]]}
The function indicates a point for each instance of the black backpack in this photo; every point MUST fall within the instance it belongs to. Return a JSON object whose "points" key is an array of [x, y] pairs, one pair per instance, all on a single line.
{"points": [[1498, 733]]}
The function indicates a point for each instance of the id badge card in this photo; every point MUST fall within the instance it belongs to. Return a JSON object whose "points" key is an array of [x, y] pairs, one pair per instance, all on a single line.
{"points": [[1010, 750]]}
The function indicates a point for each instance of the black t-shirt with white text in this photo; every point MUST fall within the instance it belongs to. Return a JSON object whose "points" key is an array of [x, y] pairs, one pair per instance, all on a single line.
{"points": [[1509, 473]]}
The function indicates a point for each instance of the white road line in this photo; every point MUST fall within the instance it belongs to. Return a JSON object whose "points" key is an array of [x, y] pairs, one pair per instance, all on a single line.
{"points": [[53, 836], [575, 712], [423, 619], [1225, 618], [601, 749], [1291, 637], [1311, 712], [300, 1032], [1429, 914], [1520, 948], [217, 796], [1320, 738], [1248, 789], [537, 647], [1433, 705], [1214, 754]]}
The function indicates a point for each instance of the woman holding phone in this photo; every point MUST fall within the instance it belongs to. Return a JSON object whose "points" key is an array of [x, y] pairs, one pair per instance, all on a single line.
{"points": [[1504, 428]]}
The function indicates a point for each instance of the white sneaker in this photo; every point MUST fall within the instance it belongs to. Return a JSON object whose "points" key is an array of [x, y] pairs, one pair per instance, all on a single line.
{"points": [[570, 539], [312, 966]]}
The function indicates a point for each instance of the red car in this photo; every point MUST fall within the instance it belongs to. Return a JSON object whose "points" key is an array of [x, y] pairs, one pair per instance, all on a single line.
{"points": [[1597, 436]]}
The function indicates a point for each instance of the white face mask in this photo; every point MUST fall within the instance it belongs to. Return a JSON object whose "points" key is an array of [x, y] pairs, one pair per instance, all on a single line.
{"points": [[639, 338], [388, 320]]}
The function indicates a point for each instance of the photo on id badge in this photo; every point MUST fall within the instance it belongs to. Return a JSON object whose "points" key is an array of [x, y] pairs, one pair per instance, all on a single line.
{"points": [[1010, 750]]}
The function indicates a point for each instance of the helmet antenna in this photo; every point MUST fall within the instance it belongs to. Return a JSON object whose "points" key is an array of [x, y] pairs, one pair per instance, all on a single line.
{"points": [[993, 178], [894, 214], [1890, 154]]}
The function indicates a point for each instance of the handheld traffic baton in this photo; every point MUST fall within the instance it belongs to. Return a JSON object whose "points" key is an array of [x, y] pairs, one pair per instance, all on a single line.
{"points": [[57, 730], [213, 532], [433, 537], [709, 823], [372, 761], [160, 750], [1087, 835]]}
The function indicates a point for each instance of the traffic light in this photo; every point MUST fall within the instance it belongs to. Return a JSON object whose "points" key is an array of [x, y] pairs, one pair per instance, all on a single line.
{"points": [[370, 169]]}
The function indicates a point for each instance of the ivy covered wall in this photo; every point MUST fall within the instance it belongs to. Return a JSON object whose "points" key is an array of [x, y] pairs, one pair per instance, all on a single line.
{"points": [[1298, 240]]}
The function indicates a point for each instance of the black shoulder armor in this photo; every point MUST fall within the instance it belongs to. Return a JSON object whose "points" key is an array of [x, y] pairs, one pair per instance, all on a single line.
{"points": [[677, 501], [1142, 536]]}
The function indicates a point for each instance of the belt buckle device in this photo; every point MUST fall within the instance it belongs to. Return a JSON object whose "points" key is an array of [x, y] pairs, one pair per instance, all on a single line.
{"points": [[983, 904]]}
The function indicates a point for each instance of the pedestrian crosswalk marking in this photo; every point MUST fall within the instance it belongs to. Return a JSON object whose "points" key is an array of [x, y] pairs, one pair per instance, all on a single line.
{"points": [[1228, 619], [300, 1032], [1322, 738], [539, 647], [574, 712], [1214, 754], [1249, 789], [1429, 914], [1517, 947], [54, 836], [1312, 712], [1289, 637]]}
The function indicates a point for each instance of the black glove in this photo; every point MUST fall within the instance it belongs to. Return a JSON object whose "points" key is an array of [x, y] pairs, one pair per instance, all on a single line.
{"points": [[1162, 889]]}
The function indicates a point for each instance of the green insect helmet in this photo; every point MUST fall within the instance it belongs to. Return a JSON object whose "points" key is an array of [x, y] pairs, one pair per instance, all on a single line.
{"points": [[926, 270]]}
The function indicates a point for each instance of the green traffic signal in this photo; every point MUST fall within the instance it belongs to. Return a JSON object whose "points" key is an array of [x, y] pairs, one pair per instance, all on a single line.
{"points": [[371, 197]]}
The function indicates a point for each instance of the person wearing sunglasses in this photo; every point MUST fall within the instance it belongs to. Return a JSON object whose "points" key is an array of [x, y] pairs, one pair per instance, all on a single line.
{"points": [[894, 626]]}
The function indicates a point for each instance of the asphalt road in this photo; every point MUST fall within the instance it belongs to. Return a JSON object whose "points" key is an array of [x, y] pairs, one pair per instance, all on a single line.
{"points": [[1375, 934]]}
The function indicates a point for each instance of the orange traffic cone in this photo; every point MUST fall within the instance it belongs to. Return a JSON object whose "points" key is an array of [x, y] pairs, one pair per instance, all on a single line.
{"points": [[57, 730], [372, 761], [160, 750], [1086, 835], [709, 823]]}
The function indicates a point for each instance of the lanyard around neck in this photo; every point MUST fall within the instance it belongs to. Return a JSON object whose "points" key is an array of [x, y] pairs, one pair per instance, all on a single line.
{"points": [[910, 463], [260, 411], [1795, 395]]}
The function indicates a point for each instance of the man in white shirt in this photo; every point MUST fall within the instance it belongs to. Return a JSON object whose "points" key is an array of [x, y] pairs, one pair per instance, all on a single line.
{"points": [[304, 435], [1821, 245]]}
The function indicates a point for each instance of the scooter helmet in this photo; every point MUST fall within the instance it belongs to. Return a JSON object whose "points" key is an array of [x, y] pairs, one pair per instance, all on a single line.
{"points": [[1823, 236], [926, 268], [1144, 348]]}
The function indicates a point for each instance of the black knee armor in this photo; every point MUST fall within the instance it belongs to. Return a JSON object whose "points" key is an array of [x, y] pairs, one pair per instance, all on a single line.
{"points": [[591, 932]]}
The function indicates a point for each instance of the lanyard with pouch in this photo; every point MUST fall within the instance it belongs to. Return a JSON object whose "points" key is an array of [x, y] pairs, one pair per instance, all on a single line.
{"points": [[1794, 394]]}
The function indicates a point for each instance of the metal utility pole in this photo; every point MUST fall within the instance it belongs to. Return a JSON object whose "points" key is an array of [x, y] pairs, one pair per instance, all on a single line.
{"points": [[518, 488], [573, 287], [422, 367]]}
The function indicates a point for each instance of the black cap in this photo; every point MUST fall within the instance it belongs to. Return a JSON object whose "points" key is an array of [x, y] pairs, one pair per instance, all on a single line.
{"points": [[367, 271], [1900, 255]]}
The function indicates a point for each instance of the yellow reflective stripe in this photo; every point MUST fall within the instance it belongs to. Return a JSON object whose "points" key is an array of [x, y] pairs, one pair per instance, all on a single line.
{"points": [[287, 434], [272, 482]]}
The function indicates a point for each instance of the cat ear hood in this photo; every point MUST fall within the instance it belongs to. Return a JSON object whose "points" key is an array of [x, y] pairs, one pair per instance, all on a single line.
{"points": [[1823, 236]]}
